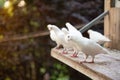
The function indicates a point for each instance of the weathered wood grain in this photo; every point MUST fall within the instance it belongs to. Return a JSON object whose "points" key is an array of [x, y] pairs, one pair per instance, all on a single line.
{"points": [[106, 66], [107, 7], [114, 28], [112, 25]]}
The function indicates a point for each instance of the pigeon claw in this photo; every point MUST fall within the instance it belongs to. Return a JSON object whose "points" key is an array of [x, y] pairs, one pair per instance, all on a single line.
{"points": [[64, 52], [75, 55]]}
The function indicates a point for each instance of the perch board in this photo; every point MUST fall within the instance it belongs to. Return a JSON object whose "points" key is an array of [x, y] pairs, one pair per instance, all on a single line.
{"points": [[106, 66]]}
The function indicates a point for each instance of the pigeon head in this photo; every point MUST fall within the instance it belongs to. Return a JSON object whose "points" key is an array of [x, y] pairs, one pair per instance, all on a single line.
{"points": [[89, 31], [49, 26], [64, 29], [53, 27], [68, 38]]}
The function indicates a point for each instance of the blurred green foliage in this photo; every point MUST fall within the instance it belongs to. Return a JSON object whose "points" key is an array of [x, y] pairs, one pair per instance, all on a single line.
{"points": [[30, 59], [25, 59], [60, 72], [2, 3]]}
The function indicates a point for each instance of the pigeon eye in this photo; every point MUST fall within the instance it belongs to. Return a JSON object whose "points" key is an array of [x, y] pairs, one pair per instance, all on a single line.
{"points": [[68, 37]]}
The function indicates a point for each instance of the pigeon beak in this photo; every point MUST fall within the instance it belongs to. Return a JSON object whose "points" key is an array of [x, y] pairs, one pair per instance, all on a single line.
{"points": [[49, 27]]}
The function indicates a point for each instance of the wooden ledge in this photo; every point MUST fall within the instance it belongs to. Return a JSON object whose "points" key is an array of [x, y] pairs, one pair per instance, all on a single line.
{"points": [[106, 67]]}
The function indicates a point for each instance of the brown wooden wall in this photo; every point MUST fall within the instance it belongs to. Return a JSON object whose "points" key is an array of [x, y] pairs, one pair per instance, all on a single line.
{"points": [[112, 25]]}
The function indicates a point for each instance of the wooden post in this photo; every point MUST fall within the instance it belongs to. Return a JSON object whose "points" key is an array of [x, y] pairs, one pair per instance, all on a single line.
{"points": [[115, 28], [106, 19], [112, 26]]}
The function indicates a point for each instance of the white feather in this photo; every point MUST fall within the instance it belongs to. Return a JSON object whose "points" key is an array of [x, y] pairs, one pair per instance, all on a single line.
{"points": [[65, 31], [72, 29], [52, 33], [58, 35], [97, 37], [87, 46]]}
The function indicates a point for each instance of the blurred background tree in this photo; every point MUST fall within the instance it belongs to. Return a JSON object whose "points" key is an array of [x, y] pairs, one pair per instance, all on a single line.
{"points": [[30, 59]]}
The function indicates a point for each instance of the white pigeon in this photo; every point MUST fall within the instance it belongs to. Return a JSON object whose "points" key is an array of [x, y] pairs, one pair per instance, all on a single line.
{"points": [[75, 52], [97, 37], [72, 29], [52, 33], [58, 36], [66, 48], [65, 31], [87, 46]]}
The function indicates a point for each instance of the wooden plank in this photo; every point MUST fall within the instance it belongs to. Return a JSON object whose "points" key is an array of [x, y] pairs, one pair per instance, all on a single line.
{"points": [[112, 25], [107, 6], [111, 28], [115, 28], [106, 67], [118, 29]]}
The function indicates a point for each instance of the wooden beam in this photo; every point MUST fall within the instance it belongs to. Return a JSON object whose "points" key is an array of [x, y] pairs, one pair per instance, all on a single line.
{"points": [[104, 68], [107, 6], [114, 28], [112, 24]]}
